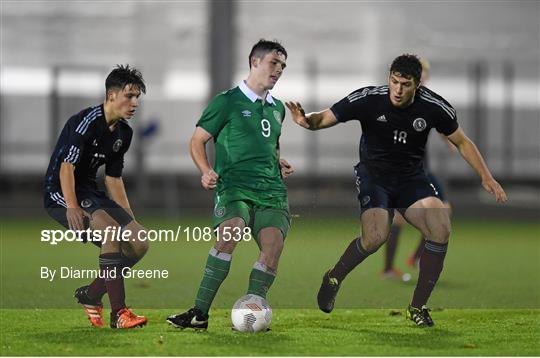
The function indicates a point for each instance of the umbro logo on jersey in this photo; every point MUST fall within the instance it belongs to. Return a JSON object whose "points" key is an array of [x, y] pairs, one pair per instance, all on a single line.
{"points": [[246, 113], [382, 118]]}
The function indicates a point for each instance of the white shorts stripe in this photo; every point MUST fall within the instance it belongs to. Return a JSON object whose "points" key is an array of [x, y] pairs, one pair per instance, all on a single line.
{"points": [[57, 198]]}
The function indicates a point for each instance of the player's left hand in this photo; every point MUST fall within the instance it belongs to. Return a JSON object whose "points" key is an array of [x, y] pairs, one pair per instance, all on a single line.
{"points": [[286, 168], [494, 188], [298, 114]]}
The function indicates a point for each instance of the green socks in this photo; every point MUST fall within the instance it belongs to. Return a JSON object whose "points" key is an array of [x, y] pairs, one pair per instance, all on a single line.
{"points": [[215, 272], [260, 280]]}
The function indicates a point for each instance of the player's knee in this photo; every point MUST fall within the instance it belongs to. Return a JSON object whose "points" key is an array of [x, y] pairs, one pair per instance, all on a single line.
{"points": [[140, 249], [232, 223], [109, 246], [371, 242], [137, 240]]}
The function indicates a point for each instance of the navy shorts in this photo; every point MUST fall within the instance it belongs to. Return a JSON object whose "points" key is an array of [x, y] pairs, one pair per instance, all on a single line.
{"points": [[396, 194], [90, 201], [441, 194]]}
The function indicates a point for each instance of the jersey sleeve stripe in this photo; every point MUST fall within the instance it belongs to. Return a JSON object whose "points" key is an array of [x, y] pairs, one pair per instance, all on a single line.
{"points": [[430, 98], [440, 101], [365, 92], [427, 99], [89, 118], [73, 155]]}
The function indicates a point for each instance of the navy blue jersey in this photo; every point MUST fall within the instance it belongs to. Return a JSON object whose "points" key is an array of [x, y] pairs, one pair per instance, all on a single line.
{"points": [[393, 141], [87, 142]]}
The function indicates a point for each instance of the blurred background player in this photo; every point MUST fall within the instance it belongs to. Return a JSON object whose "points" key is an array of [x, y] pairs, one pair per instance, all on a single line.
{"points": [[389, 270], [97, 136], [245, 123], [396, 120]]}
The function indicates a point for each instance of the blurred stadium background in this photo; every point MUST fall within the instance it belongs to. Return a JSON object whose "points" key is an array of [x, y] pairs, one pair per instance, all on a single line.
{"points": [[484, 59]]}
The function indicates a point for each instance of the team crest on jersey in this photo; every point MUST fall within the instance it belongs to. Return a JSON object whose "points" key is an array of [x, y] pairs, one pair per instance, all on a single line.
{"points": [[277, 116], [246, 113], [86, 203], [419, 124], [117, 145], [219, 212]]}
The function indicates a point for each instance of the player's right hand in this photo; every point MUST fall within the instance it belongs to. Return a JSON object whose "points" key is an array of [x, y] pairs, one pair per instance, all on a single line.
{"points": [[494, 188], [209, 180], [77, 218], [298, 114]]}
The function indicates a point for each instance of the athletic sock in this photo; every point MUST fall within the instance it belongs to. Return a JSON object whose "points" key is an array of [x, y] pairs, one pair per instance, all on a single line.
{"points": [[97, 289], [215, 272], [260, 279], [420, 248], [111, 270], [391, 246], [431, 265], [353, 255]]}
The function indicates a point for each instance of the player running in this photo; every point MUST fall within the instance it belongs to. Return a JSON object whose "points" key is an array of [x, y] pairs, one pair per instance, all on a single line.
{"points": [[245, 124], [389, 270], [97, 136], [396, 120]]}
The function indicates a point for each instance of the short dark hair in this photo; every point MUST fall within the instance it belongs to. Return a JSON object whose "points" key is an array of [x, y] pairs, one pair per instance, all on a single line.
{"points": [[261, 48], [123, 75], [408, 66]]}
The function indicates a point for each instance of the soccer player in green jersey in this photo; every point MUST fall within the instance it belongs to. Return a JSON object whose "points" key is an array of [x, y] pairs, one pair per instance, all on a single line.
{"points": [[250, 196]]}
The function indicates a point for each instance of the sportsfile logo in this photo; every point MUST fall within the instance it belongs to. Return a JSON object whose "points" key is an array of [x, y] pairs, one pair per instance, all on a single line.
{"points": [[118, 234]]}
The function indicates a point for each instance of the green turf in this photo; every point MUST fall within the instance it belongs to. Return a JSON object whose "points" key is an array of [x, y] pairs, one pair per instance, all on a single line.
{"points": [[294, 332], [490, 290]]}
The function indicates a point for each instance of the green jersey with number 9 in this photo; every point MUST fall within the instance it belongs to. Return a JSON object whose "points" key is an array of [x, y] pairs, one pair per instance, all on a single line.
{"points": [[246, 133]]}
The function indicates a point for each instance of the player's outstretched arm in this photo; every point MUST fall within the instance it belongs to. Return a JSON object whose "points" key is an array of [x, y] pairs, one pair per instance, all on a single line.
{"points": [[197, 148], [74, 214], [117, 192], [471, 154], [312, 121]]}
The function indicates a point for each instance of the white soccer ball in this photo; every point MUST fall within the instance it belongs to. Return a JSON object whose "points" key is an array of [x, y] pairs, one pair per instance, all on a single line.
{"points": [[251, 313]]}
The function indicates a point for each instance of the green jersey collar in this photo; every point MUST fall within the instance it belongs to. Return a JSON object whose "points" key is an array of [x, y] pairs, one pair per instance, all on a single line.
{"points": [[252, 95]]}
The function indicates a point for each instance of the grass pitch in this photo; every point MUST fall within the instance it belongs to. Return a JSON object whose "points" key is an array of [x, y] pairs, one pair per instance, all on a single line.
{"points": [[487, 301], [295, 332]]}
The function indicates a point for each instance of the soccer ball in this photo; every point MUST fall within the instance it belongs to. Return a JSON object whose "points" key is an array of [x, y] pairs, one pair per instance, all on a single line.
{"points": [[251, 313]]}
